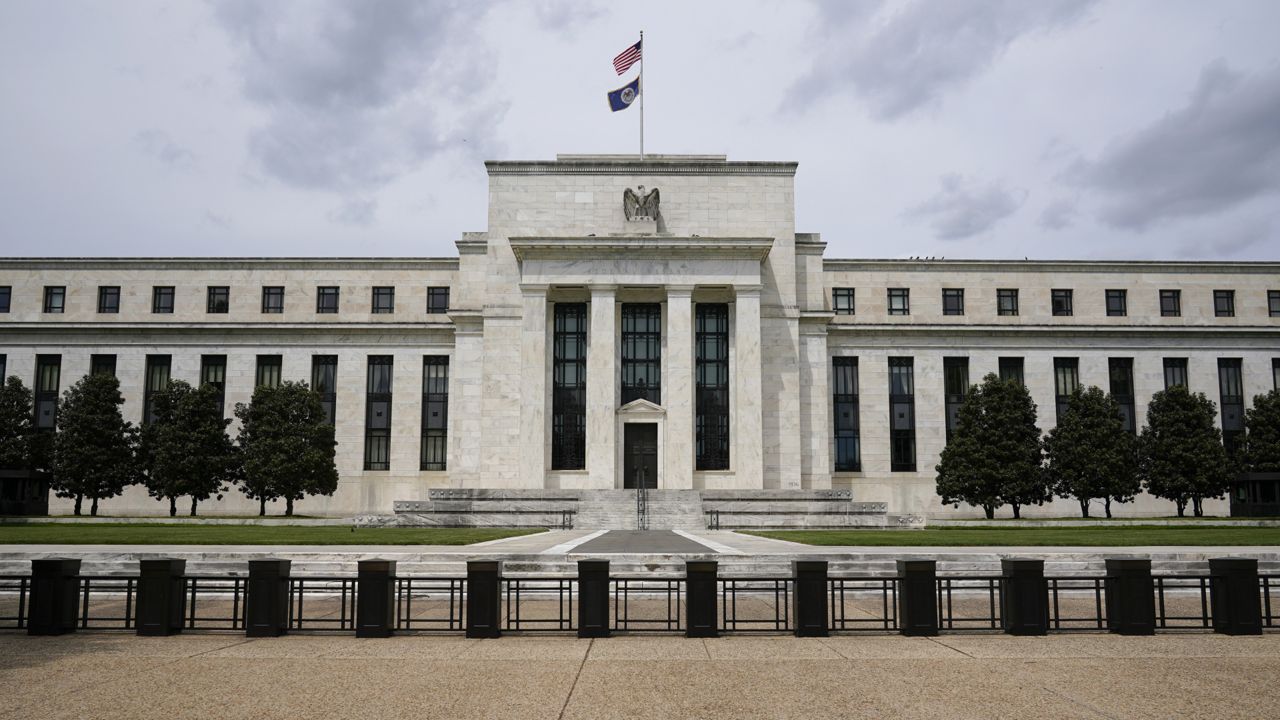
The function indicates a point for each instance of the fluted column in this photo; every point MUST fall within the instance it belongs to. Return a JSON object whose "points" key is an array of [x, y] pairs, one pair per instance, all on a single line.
{"points": [[534, 398], [602, 387], [677, 390], [748, 427]]}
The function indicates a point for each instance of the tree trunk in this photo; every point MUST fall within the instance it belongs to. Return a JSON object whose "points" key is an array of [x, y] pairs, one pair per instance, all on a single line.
{"points": [[93, 508], [1107, 503], [1197, 506], [990, 510], [173, 506], [193, 506], [1017, 511], [288, 506], [1182, 507], [79, 500], [1084, 507], [262, 505]]}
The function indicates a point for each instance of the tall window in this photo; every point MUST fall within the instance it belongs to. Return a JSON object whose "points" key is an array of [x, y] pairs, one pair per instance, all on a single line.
{"points": [[1224, 303], [327, 299], [437, 300], [1117, 303], [642, 352], [162, 299], [4, 365], [55, 298], [6, 294], [844, 396], [273, 299], [1011, 369], [218, 300], [902, 414], [268, 372], [899, 301], [842, 301], [435, 411], [384, 300], [1170, 303], [377, 418], [100, 365], [955, 379], [157, 379], [1273, 303], [1175, 372], [1231, 387], [213, 372], [48, 374], [109, 299], [1275, 373], [1121, 371], [324, 380], [569, 387], [1066, 378], [711, 340], [953, 301], [1062, 302], [1007, 301]]}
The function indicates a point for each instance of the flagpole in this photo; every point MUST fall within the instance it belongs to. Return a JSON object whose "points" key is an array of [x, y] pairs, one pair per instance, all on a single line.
{"points": [[641, 95]]}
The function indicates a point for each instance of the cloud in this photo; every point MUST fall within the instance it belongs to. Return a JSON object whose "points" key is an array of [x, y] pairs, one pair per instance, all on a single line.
{"points": [[159, 145], [1058, 215], [357, 212], [921, 51], [963, 207], [1218, 152]]}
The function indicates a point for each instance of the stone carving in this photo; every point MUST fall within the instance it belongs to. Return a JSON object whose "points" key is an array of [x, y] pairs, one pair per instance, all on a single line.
{"points": [[638, 205]]}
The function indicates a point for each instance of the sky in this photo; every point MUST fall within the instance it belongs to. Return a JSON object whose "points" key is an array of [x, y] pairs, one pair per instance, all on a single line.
{"points": [[1048, 129]]}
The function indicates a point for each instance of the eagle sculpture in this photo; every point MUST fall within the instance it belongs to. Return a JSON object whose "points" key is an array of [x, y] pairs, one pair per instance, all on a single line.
{"points": [[638, 205]]}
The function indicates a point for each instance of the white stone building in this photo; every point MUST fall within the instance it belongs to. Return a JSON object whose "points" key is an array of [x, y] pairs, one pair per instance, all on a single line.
{"points": [[708, 347]]}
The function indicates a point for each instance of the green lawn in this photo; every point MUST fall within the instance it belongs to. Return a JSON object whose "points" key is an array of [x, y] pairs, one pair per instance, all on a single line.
{"points": [[1041, 536], [180, 534]]}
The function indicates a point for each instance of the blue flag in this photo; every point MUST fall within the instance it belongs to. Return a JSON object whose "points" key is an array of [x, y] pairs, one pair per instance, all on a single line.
{"points": [[622, 98]]}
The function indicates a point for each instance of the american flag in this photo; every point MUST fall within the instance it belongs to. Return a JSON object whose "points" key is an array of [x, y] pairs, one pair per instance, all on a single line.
{"points": [[627, 58]]}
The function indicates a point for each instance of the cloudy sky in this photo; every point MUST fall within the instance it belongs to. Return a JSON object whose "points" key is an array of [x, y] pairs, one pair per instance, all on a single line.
{"points": [[956, 128]]}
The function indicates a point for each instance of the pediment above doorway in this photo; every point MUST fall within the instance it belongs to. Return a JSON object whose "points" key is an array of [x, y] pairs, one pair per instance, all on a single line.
{"points": [[641, 408]]}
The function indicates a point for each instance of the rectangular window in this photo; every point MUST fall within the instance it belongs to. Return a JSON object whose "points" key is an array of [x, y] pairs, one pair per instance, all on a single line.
{"points": [[1175, 372], [324, 380], [1011, 369], [268, 372], [162, 299], [642, 352], [6, 294], [435, 411], [102, 365], [844, 397], [377, 417], [902, 414], [1121, 371], [1007, 301], [213, 372], [437, 300], [384, 300], [48, 375], [4, 365], [157, 379], [955, 379], [842, 301], [272, 299], [55, 298], [1061, 302], [899, 301], [569, 387], [1066, 378], [1275, 373], [1231, 388], [108, 299], [1273, 303], [218, 300], [711, 348], [953, 301], [1170, 303], [1117, 303], [327, 300], [1224, 303]]}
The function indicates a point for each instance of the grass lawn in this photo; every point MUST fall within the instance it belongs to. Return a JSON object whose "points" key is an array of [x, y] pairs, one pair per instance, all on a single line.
{"points": [[178, 534], [1040, 536]]}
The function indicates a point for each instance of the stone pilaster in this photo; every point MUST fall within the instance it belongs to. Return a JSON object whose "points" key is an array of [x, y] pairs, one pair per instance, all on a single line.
{"points": [[677, 390], [535, 399], [602, 387], [466, 393], [748, 426]]}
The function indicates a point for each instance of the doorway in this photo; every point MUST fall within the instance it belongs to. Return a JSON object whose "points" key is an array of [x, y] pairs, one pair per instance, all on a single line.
{"points": [[640, 455]]}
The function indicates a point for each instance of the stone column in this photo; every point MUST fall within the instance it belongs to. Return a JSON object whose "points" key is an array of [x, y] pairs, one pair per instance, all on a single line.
{"points": [[677, 390], [602, 388], [533, 401], [748, 425]]}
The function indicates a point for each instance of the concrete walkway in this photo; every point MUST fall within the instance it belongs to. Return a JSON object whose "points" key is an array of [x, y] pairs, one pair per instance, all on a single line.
{"points": [[873, 676]]}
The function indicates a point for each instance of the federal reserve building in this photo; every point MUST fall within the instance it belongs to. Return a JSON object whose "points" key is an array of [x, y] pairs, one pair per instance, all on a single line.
{"points": [[655, 322]]}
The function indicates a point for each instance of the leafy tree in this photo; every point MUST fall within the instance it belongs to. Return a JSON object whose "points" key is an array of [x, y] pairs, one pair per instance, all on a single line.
{"points": [[288, 445], [187, 449], [94, 450], [1180, 454], [1262, 439], [16, 428], [994, 455], [1089, 454]]}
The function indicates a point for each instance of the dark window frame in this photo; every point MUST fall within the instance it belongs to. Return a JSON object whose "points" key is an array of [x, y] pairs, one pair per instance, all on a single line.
{"points": [[902, 415], [1224, 303], [437, 299], [953, 301], [55, 299], [1231, 393], [712, 442], [434, 451], [213, 371], [323, 294], [955, 381], [1175, 369], [1275, 373], [45, 393], [846, 414], [268, 371], [1062, 302], [1066, 379], [1007, 302], [379, 388], [641, 352], [1117, 302], [1121, 387], [217, 299], [1013, 368], [273, 299], [101, 364], [6, 298], [325, 382], [569, 387], [1170, 303], [1273, 303], [158, 374], [844, 301], [159, 295], [108, 299], [382, 300], [903, 296]]}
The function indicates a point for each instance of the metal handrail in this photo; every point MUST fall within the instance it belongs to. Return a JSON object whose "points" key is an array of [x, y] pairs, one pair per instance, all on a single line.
{"points": [[642, 501]]}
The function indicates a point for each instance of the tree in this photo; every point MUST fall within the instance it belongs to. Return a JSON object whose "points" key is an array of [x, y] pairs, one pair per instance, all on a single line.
{"points": [[16, 428], [1180, 453], [1262, 434], [187, 449], [94, 450], [994, 455], [1089, 454], [288, 445]]}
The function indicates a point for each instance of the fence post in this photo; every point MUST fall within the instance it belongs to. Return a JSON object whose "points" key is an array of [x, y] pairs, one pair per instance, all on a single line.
{"points": [[811, 614], [266, 603], [375, 598], [593, 599], [1234, 596], [484, 606], [702, 620], [1024, 597], [161, 600], [918, 597], [1131, 602], [55, 591]]}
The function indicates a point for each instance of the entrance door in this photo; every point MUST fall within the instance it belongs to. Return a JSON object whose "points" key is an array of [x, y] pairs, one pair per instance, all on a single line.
{"points": [[640, 453]]}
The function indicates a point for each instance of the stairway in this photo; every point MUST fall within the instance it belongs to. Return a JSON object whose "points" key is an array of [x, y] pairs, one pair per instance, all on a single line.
{"points": [[616, 510]]}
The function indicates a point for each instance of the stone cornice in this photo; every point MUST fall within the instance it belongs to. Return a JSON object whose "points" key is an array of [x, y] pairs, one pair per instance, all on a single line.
{"points": [[216, 263], [228, 327], [573, 248], [1065, 266], [633, 165], [1093, 330]]}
